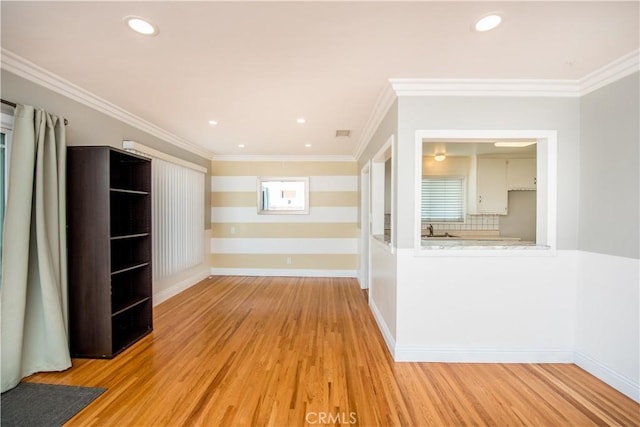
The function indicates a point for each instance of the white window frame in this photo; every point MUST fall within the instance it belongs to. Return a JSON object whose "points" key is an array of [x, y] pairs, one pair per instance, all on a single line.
{"points": [[546, 173], [6, 128]]}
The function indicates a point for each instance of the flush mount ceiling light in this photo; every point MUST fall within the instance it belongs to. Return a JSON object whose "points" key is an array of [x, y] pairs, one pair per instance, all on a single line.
{"points": [[213, 122], [487, 22], [240, 145], [439, 157], [141, 25], [301, 120], [307, 145], [514, 144]]}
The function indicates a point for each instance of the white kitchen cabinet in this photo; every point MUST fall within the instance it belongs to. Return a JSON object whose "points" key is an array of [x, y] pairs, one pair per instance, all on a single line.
{"points": [[491, 186], [521, 174]]}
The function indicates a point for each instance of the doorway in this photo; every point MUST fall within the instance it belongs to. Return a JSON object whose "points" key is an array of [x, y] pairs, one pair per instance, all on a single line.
{"points": [[365, 225]]}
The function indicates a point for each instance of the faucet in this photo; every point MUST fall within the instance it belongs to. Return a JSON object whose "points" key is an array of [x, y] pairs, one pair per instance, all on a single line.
{"points": [[430, 228]]}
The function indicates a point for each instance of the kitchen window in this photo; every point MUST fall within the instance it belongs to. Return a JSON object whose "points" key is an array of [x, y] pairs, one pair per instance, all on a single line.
{"points": [[443, 199]]}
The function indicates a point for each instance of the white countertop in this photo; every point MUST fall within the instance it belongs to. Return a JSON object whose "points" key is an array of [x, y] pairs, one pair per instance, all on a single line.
{"points": [[496, 243]]}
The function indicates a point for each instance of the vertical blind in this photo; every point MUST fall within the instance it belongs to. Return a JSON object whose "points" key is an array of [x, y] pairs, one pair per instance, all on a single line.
{"points": [[443, 199], [178, 217], [177, 209]]}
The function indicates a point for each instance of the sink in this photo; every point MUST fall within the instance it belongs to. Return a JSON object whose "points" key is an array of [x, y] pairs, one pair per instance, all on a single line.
{"points": [[439, 236]]}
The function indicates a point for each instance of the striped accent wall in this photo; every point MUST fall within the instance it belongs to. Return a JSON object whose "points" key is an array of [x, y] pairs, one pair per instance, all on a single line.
{"points": [[322, 243]]}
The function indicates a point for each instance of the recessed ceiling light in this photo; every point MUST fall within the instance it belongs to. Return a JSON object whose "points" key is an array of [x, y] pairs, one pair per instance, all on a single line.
{"points": [[301, 120], [213, 122], [488, 22], [141, 25], [307, 145], [240, 145]]}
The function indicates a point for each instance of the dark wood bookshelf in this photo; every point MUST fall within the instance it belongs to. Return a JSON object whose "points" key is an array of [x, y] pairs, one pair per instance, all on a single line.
{"points": [[109, 250]]}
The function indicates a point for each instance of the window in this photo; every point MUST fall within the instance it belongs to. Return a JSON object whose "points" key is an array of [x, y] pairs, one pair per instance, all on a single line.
{"points": [[5, 139], [285, 195], [443, 199]]}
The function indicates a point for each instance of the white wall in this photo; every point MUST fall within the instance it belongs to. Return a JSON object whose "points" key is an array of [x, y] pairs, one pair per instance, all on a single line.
{"points": [[500, 307], [608, 308], [608, 321], [486, 308], [382, 290], [491, 113], [559, 306]]}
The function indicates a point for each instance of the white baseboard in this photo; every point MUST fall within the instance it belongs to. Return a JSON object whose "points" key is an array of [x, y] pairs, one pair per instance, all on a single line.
{"points": [[622, 383], [382, 325], [281, 272], [482, 355], [179, 287]]}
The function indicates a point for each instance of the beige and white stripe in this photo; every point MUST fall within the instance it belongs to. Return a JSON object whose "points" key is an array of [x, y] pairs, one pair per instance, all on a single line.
{"points": [[322, 243]]}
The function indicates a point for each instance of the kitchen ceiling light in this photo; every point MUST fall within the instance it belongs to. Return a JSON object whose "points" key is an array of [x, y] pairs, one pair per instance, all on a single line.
{"points": [[488, 22], [240, 145], [213, 122], [514, 144], [141, 25], [307, 145], [301, 120], [439, 157]]}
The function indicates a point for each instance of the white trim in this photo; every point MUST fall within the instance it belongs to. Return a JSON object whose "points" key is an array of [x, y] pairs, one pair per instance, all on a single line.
{"points": [[365, 227], [281, 158], [618, 69], [482, 355], [385, 100], [150, 152], [179, 287], [384, 329], [273, 272], [486, 87], [547, 141], [620, 382], [28, 70]]}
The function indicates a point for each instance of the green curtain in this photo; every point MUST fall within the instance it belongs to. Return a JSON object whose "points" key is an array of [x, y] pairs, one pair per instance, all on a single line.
{"points": [[34, 264]]}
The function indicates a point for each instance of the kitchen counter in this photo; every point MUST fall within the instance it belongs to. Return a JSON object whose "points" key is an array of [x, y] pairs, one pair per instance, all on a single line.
{"points": [[496, 243]]}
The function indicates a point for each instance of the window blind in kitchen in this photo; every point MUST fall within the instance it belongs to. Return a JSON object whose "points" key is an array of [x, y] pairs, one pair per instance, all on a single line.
{"points": [[443, 199]]}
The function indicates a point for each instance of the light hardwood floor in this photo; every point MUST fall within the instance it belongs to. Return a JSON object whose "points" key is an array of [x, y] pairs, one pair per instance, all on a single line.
{"points": [[234, 351]]}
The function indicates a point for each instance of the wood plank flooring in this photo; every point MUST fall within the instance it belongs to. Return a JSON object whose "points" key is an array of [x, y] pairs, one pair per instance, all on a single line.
{"points": [[256, 351]]}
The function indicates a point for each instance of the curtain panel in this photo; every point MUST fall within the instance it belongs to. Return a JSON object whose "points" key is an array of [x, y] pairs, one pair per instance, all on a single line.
{"points": [[33, 294]]}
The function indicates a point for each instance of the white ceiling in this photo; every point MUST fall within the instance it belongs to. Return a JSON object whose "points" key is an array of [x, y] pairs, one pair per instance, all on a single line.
{"points": [[257, 66]]}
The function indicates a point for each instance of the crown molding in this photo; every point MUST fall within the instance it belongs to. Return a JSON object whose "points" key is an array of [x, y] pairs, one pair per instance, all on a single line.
{"points": [[486, 87], [385, 100], [28, 70], [282, 158], [616, 70]]}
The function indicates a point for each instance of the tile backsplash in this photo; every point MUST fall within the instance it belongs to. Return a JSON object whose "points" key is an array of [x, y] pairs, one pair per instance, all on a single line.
{"points": [[472, 222]]}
